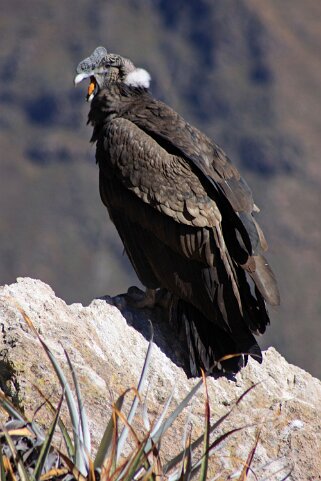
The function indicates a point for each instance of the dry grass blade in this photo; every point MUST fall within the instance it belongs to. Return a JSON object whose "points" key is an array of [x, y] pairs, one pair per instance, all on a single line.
{"points": [[16, 457], [149, 475], [116, 472], [72, 468], [129, 427], [245, 393], [287, 475], [178, 475], [3, 470], [269, 476], [224, 436], [54, 474], [121, 471], [23, 432], [238, 354], [91, 471], [172, 463], [25, 316], [7, 468], [113, 460], [156, 465], [137, 460], [247, 465], [215, 444], [187, 462]]}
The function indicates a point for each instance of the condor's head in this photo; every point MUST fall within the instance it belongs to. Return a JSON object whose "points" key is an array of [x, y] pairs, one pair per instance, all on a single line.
{"points": [[104, 68]]}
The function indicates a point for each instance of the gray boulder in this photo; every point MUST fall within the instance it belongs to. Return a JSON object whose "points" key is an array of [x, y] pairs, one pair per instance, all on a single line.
{"points": [[108, 352]]}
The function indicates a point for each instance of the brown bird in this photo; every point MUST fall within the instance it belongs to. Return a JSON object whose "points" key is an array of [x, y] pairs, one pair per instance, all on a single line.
{"points": [[184, 215]]}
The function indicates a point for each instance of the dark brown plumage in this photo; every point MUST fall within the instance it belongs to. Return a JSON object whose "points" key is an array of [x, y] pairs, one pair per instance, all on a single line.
{"points": [[183, 212]]}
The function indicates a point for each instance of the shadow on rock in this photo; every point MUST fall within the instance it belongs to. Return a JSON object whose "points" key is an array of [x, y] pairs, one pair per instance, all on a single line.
{"points": [[170, 339]]}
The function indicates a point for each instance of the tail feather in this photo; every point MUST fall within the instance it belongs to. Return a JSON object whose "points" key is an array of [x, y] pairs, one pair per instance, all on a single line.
{"points": [[255, 313], [208, 344]]}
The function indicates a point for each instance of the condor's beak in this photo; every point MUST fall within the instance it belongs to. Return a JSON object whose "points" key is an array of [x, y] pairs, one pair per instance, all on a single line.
{"points": [[81, 76], [92, 89]]}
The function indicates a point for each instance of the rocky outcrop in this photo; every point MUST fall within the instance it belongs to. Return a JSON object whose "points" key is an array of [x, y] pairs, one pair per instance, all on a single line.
{"points": [[108, 354]]}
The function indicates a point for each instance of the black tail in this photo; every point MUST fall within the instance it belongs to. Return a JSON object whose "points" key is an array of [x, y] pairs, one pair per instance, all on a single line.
{"points": [[208, 344]]}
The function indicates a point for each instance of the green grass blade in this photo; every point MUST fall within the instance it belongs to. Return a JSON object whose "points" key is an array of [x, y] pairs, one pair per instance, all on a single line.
{"points": [[162, 416], [169, 421], [3, 476], [80, 459], [106, 440], [80, 455], [47, 443], [145, 418], [132, 412], [112, 465], [207, 415], [67, 440], [11, 409], [16, 457], [81, 409]]}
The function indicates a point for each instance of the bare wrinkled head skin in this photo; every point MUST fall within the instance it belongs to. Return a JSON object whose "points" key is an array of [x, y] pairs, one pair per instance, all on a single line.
{"points": [[96, 59], [103, 68]]}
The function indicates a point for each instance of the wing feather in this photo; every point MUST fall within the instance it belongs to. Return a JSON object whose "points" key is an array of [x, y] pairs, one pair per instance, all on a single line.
{"points": [[158, 178]]}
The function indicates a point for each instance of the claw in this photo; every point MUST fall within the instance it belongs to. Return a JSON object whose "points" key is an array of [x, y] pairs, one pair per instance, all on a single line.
{"points": [[139, 299]]}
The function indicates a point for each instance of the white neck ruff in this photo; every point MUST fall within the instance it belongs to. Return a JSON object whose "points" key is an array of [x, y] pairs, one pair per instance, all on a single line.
{"points": [[138, 78]]}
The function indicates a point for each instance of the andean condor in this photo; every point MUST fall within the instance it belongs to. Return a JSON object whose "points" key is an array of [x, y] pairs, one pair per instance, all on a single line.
{"points": [[183, 212]]}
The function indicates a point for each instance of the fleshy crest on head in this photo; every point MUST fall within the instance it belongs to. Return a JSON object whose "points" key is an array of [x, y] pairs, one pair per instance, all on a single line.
{"points": [[98, 56]]}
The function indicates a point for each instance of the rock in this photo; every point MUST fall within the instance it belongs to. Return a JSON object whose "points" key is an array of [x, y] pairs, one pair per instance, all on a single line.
{"points": [[108, 355]]}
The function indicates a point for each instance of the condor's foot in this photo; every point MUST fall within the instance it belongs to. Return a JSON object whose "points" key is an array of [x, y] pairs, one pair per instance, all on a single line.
{"points": [[148, 299], [139, 299]]}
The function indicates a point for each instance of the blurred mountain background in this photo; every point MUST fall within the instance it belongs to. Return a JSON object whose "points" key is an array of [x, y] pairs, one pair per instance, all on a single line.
{"points": [[246, 72]]}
